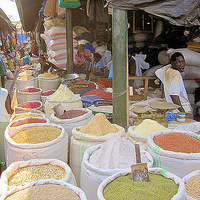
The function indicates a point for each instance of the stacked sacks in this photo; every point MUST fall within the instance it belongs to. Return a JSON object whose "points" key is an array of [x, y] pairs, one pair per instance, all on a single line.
{"points": [[101, 161], [55, 39], [46, 189], [34, 141], [162, 185], [172, 149], [63, 96], [48, 81], [23, 173], [96, 131]]}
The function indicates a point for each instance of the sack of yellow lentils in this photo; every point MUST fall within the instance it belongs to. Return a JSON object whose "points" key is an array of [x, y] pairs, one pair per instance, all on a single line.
{"points": [[23, 173], [36, 141]]}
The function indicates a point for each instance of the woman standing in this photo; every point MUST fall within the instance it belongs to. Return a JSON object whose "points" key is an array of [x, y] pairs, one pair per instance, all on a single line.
{"points": [[5, 110]]}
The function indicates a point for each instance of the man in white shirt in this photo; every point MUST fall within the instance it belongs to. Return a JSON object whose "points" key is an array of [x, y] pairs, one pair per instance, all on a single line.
{"points": [[174, 88]]}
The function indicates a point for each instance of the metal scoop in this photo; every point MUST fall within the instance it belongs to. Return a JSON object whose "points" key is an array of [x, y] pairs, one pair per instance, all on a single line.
{"points": [[139, 171]]}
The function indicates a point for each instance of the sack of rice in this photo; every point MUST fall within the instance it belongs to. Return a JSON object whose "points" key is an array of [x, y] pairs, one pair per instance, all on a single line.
{"points": [[22, 173], [46, 189]]}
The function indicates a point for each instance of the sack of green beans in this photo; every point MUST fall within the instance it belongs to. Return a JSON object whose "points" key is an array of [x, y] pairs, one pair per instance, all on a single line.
{"points": [[46, 189], [161, 185], [101, 161], [29, 94], [192, 183], [175, 150], [23, 173], [36, 141]]}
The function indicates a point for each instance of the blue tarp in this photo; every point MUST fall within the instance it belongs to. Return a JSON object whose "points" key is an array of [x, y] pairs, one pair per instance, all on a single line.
{"points": [[21, 38]]}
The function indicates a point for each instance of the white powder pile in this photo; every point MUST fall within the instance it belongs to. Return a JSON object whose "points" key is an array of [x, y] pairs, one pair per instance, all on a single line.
{"points": [[116, 153]]}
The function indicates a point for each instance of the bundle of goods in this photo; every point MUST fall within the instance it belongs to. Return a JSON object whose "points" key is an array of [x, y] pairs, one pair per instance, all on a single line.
{"points": [[29, 94], [139, 134], [23, 173], [192, 185], [33, 141], [161, 185], [48, 81], [72, 118], [28, 106], [96, 131], [26, 81], [104, 160], [47, 189], [45, 94], [63, 96], [172, 149], [35, 114]]}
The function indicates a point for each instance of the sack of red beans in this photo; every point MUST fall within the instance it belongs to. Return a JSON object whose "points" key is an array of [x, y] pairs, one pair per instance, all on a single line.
{"points": [[177, 151], [28, 106]]}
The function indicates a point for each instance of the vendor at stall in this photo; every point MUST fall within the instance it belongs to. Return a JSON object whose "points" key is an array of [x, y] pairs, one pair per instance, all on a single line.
{"points": [[82, 59], [174, 88]]}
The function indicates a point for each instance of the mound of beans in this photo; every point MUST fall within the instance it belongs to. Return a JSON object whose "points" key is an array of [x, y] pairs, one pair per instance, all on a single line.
{"points": [[28, 121], [178, 142], [72, 114], [192, 187], [30, 105], [48, 93], [30, 90]]}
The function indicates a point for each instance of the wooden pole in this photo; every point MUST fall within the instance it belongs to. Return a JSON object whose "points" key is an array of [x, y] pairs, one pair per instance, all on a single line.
{"points": [[69, 40], [120, 67]]}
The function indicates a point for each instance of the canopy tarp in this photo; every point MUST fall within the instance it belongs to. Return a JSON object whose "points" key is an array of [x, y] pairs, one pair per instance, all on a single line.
{"points": [[5, 23], [29, 13], [177, 12]]}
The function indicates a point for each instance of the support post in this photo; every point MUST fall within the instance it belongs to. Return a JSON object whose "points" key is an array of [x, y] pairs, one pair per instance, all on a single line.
{"points": [[120, 67], [69, 40]]}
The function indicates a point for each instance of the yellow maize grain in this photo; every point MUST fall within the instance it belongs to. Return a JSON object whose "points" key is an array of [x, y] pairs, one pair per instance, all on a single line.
{"points": [[25, 175], [44, 192], [22, 116], [36, 135], [25, 78], [47, 75], [25, 73]]}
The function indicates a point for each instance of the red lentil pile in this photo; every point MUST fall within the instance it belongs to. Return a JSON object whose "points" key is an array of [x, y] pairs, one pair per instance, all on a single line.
{"points": [[30, 105], [30, 90], [48, 93], [72, 114], [178, 142], [28, 121]]}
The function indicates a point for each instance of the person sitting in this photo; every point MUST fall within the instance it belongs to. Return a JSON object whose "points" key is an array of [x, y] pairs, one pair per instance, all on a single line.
{"points": [[98, 67], [174, 88], [82, 59]]}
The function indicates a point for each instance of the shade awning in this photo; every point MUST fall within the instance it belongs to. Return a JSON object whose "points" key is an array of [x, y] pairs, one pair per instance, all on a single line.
{"points": [[177, 12], [29, 13]]}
